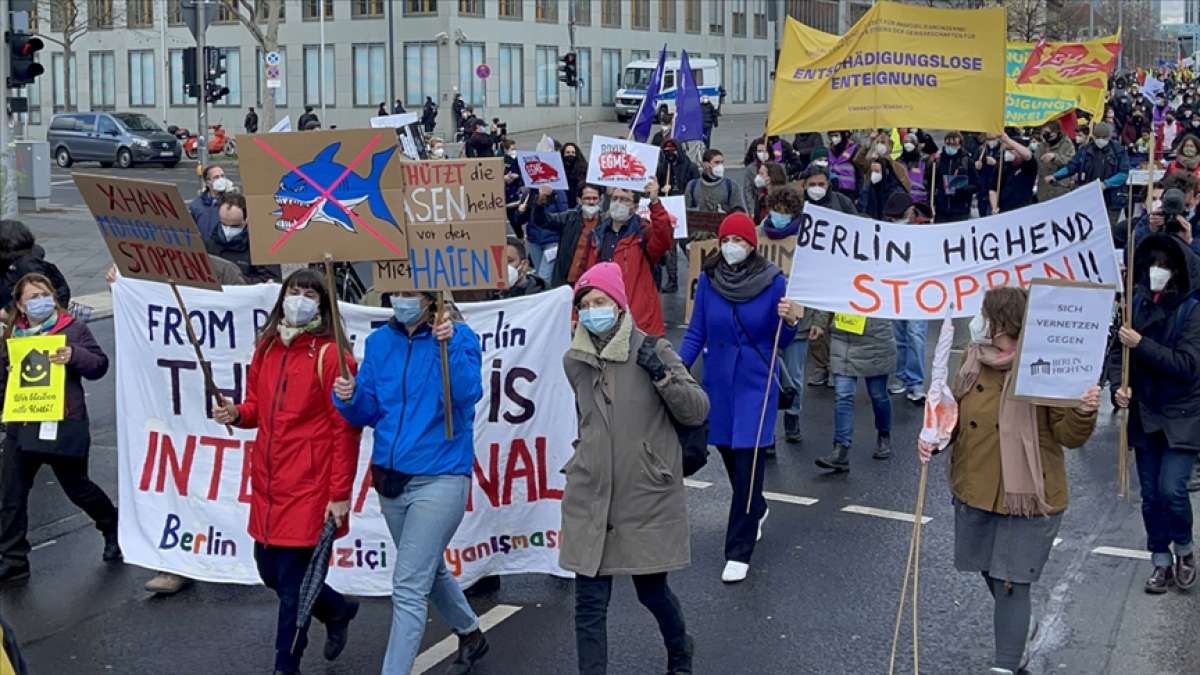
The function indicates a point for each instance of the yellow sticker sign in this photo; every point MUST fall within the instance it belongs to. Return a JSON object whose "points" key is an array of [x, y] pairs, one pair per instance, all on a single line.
{"points": [[36, 389], [850, 323]]}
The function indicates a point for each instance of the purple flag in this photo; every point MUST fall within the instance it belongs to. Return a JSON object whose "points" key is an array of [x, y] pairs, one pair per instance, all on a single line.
{"points": [[648, 111], [689, 117]]}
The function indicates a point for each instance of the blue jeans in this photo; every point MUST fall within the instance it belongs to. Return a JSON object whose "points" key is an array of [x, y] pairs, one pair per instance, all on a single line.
{"points": [[845, 387], [543, 268], [795, 356], [1166, 505], [422, 520], [910, 353]]}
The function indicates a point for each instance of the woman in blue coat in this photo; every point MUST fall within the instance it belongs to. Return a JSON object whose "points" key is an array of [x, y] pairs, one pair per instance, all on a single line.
{"points": [[739, 303]]}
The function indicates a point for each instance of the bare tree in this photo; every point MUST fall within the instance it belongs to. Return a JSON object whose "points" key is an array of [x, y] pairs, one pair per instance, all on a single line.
{"points": [[68, 23], [251, 14], [1026, 19]]}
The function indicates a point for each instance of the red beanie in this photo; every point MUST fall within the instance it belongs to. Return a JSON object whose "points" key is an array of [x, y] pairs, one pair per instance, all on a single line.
{"points": [[606, 277], [738, 223]]}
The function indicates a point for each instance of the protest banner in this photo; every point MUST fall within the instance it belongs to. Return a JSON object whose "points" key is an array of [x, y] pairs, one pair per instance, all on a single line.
{"points": [[777, 251], [36, 388], [898, 66], [620, 163], [185, 487], [676, 208], [1037, 100], [1064, 341], [542, 168], [148, 230], [883, 270]]}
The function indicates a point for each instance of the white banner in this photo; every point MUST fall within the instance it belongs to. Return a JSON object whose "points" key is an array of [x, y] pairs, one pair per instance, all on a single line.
{"points": [[542, 168], [185, 483], [894, 271], [618, 163]]}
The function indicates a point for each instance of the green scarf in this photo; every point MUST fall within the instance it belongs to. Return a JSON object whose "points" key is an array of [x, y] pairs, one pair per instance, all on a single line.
{"points": [[43, 327]]}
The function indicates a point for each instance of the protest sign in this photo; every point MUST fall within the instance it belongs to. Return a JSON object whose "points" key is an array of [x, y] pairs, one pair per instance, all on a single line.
{"points": [[542, 168], [676, 208], [185, 486], [1063, 342], [704, 221], [883, 270], [282, 125], [320, 192], [36, 388], [898, 66], [618, 163], [148, 230], [1038, 100], [394, 121], [776, 251], [1142, 176]]}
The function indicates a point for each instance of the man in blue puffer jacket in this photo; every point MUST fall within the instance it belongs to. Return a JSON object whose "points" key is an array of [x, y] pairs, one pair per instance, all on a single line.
{"points": [[422, 477]]}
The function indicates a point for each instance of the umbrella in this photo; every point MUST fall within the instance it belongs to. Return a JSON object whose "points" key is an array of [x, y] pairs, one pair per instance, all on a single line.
{"points": [[314, 578]]}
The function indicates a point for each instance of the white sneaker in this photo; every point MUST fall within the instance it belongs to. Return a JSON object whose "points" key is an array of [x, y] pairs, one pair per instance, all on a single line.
{"points": [[1000, 671], [165, 583], [897, 388], [760, 523], [916, 396], [734, 572]]}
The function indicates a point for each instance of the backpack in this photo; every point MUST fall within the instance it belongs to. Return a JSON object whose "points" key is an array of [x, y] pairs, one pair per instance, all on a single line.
{"points": [[691, 190]]}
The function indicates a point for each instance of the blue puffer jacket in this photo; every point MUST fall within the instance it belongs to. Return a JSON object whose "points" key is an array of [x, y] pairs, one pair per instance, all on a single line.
{"points": [[399, 394]]}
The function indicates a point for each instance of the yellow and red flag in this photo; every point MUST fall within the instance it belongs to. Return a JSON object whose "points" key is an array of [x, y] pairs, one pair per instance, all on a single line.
{"points": [[1079, 64]]}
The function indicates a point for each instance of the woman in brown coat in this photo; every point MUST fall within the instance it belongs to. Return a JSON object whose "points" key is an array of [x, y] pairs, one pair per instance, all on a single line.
{"points": [[624, 510], [1007, 472]]}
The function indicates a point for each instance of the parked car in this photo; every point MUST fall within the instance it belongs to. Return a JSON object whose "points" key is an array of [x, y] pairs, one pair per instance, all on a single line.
{"points": [[123, 139]]}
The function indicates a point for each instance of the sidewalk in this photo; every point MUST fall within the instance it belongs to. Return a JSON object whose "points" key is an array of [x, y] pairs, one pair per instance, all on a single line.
{"points": [[73, 243]]}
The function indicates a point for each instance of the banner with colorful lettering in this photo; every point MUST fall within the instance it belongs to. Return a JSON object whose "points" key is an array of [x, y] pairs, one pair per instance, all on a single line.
{"points": [[884, 270], [1032, 102], [185, 482]]}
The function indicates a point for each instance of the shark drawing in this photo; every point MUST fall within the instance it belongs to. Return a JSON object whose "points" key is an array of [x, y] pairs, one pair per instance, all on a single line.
{"points": [[296, 197]]}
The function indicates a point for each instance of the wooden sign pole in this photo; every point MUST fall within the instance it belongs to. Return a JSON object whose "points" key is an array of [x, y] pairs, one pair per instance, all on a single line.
{"points": [[338, 338], [449, 408], [210, 387], [933, 192]]}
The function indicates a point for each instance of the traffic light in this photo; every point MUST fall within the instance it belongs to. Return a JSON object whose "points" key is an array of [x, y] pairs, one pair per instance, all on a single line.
{"points": [[214, 68], [191, 83], [23, 69], [566, 71]]}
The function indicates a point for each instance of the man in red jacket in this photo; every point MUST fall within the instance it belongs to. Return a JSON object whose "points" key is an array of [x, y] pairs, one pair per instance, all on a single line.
{"points": [[637, 246]]}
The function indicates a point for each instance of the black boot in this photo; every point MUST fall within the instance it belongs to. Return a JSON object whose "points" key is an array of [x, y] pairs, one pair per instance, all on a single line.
{"points": [[337, 632], [471, 648], [839, 461], [112, 550], [883, 447], [1185, 572], [1162, 579], [791, 427], [13, 573], [680, 663]]}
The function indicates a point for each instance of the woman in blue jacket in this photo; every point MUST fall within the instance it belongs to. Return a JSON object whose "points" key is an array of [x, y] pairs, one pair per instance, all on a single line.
{"points": [[422, 478], [739, 303]]}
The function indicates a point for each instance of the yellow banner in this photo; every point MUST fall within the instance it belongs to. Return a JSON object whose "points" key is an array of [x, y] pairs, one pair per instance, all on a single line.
{"points": [[899, 66], [36, 390]]}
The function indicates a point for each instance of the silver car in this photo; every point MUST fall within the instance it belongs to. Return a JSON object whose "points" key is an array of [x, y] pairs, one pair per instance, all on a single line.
{"points": [[123, 139]]}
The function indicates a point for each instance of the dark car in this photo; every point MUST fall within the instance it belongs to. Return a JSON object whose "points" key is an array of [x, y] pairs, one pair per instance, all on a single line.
{"points": [[123, 139]]}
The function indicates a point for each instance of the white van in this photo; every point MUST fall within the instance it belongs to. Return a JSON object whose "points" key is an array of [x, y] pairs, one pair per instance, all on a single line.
{"points": [[632, 87]]}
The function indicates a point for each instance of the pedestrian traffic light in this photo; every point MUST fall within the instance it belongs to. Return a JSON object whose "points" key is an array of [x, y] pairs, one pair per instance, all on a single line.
{"points": [[566, 72], [191, 82], [23, 68], [214, 68]]}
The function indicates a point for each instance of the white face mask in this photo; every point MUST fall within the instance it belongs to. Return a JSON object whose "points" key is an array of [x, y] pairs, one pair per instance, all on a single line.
{"points": [[881, 149], [909, 147], [718, 170], [590, 210], [513, 275], [762, 156], [222, 184], [1009, 156], [993, 143], [821, 163], [231, 232], [1156, 205], [981, 330], [512, 154], [1101, 142], [876, 177], [734, 253], [816, 192], [759, 181], [299, 309], [618, 212], [439, 152], [1158, 278], [835, 139]]}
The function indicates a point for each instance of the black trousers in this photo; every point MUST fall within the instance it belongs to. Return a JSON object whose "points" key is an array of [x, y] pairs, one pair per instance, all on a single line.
{"points": [[741, 532], [17, 473], [591, 619], [282, 570]]}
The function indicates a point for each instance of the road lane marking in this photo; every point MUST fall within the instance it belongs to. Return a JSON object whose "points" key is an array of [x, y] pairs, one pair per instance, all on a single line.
{"points": [[449, 646], [698, 484], [884, 513], [789, 499], [44, 544], [1122, 552]]}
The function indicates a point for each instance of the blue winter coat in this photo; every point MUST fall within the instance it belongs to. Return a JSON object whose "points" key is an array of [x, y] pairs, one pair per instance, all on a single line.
{"points": [[399, 394], [735, 364], [543, 236]]}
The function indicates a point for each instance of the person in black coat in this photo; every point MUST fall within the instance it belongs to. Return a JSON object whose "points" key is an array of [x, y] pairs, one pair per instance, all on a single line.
{"points": [[957, 181], [478, 142], [711, 119], [1164, 400], [231, 241], [675, 170], [575, 162], [881, 182], [20, 255], [429, 115], [307, 119], [250, 123], [398, 107], [804, 144], [382, 112]]}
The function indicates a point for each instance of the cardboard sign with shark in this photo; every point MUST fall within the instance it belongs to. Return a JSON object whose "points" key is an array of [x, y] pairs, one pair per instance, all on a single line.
{"points": [[36, 388], [619, 163], [542, 168], [148, 230]]}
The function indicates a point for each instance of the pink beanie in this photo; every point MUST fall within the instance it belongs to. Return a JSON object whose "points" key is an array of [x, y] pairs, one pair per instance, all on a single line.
{"points": [[605, 276]]}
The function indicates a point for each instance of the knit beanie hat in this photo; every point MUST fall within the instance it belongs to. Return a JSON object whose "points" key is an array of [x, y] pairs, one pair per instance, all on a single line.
{"points": [[606, 277], [1102, 130], [739, 224]]}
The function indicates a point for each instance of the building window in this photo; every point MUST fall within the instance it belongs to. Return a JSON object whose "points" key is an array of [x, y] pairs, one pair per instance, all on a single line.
{"points": [[610, 13], [716, 25], [720, 59], [233, 76], [34, 92], [583, 12], [691, 16], [512, 75], [470, 8], [640, 55], [178, 96], [311, 10], [546, 64], [639, 14], [738, 79], [547, 11], [99, 14], [760, 19], [139, 13], [280, 93], [583, 65], [174, 13], [366, 9], [739, 18], [857, 10], [470, 55], [102, 73], [60, 93], [370, 72], [820, 14], [420, 7], [420, 72], [610, 75], [141, 77], [760, 79], [314, 88], [262, 10], [666, 16], [512, 9]]}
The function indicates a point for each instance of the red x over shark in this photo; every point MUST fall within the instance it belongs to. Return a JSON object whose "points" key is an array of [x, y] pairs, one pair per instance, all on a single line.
{"points": [[296, 197]]}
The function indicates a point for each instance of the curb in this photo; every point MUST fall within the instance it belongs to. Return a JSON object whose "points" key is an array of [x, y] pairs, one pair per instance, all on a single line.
{"points": [[93, 307]]}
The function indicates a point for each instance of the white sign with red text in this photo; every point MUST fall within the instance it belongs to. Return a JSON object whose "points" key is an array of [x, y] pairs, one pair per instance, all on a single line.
{"points": [[542, 168], [185, 483], [618, 163]]}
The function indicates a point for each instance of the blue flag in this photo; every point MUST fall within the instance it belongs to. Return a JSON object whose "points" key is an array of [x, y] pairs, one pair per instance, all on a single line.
{"points": [[689, 116], [644, 120]]}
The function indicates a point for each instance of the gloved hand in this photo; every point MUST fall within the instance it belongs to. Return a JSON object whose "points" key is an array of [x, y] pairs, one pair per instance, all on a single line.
{"points": [[648, 359]]}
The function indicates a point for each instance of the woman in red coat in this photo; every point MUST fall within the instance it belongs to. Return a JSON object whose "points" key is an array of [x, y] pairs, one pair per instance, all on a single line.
{"points": [[305, 457]]}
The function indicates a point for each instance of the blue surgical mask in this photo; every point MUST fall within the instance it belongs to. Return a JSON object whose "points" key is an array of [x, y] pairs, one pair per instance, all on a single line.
{"points": [[406, 310], [39, 309], [780, 220], [950, 150], [598, 320]]}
